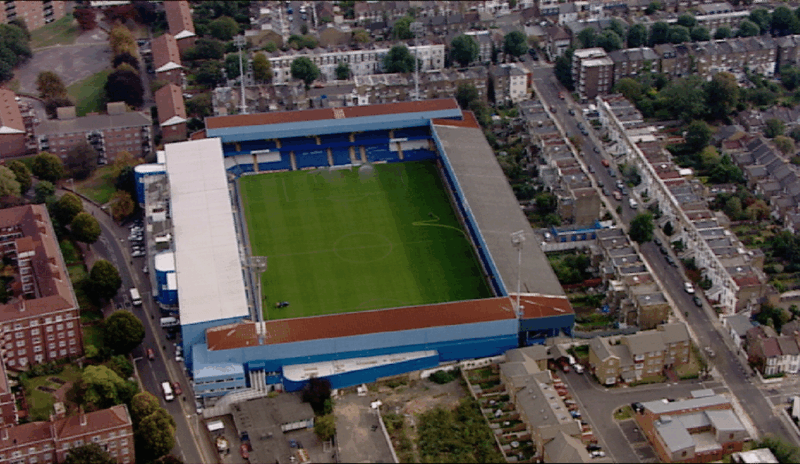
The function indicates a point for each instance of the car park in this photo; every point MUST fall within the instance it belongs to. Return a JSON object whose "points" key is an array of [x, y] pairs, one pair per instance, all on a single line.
{"points": [[688, 287]]}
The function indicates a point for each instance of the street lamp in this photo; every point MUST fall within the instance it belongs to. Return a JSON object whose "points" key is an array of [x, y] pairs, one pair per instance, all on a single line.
{"points": [[517, 240]]}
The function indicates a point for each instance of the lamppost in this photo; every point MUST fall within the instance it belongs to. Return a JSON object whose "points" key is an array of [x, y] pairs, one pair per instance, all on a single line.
{"points": [[517, 240], [240, 42], [416, 28]]}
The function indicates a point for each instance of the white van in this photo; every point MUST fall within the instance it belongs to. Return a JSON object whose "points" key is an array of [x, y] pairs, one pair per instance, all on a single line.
{"points": [[169, 322], [136, 299], [166, 389], [633, 203]]}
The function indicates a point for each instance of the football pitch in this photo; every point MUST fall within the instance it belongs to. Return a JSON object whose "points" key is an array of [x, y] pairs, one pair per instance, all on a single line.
{"points": [[347, 240]]}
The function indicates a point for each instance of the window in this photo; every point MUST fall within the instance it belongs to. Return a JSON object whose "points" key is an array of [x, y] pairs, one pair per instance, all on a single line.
{"points": [[63, 352], [20, 343], [32, 450], [60, 327], [69, 325], [21, 352], [71, 333], [61, 335], [18, 335], [53, 354], [37, 349], [62, 344], [17, 326], [34, 331], [96, 439], [34, 323], [49, 328]]}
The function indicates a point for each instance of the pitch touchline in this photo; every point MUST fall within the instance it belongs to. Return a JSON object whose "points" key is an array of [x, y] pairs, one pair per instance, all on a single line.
{"points": [[432, 223], [335, 250]]}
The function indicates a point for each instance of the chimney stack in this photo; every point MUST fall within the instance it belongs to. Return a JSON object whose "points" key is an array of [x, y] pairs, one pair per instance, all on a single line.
{"points": [[83, 417]]}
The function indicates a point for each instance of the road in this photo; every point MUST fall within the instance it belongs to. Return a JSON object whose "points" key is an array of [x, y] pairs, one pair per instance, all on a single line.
{"points": [[703, 321], [190, 446]]}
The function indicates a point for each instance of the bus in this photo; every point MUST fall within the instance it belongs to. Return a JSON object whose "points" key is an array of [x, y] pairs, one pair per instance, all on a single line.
{"points": [[167, 390], [136, 299]]}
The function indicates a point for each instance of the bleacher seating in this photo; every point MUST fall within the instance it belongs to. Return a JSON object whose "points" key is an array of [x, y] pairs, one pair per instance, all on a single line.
{"points": [[331, 139], [412, 133], [341, 156], [315, 158], [418, 155], [294, 143], [370, 137], [275, 165], [381, 153]]}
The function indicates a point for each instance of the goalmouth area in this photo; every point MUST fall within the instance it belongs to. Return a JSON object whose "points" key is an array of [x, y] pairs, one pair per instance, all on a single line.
{"points": [[349, 239]]}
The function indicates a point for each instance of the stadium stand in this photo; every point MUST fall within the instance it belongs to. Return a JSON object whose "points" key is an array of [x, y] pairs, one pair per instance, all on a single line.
{"points": [[273, 162], [311, 159], [412, 133], [418, 154], [341, 156], [381, 153], [371, 137]]}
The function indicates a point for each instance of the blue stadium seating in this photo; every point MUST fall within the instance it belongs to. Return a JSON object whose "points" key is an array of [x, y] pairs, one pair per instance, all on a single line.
{"points": [[308, 159], [329, 140], [284, 163], [381, 153], [298, 143], [341, 156], [412, 133], [418, 155], [370, 137]]}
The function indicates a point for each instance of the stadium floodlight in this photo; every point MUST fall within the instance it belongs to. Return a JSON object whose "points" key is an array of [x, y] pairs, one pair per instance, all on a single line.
{"points": [[416, 28], [240, 42], [517, 240]]}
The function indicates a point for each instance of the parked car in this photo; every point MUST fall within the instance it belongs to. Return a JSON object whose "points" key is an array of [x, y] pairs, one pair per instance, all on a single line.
{"points": [[688, 287], [595, 446], [697, 301], [596, 150], [578, 368], [571, 112], [151, 355], [671, 261], [591, 168], [177, 388], [598, 454], [605, 163]]}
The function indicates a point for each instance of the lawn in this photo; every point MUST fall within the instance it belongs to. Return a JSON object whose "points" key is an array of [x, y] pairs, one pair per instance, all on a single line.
{"points": [[76, 272], [93, 335], [341, 242], [64, 31], [88, 93], [624, 412], [99, 187], [40, 402]]}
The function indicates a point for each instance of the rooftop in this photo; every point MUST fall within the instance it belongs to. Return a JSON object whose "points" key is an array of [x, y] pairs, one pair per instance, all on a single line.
{"points": [[179, 18], [209, 273], [171, 108], [94, 122], [166, 55], [10, 116]]}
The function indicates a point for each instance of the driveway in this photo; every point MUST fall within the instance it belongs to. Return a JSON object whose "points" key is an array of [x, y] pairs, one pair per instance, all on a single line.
{"points": [[89, 55]]}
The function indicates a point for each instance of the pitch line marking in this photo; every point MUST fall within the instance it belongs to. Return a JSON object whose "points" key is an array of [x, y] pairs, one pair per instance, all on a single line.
{"points": [[334, 250], [432, 223]]}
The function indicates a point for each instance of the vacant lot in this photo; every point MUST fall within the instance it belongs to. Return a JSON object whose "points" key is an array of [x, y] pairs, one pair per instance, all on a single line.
{"points": [[341, 241]]}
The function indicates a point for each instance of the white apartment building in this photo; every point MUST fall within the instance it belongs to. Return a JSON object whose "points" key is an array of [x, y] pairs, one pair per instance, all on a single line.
{"points": [[362, 62]]}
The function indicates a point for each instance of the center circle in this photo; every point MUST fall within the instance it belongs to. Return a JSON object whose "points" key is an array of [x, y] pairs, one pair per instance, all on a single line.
{"points": [[362, 247]]}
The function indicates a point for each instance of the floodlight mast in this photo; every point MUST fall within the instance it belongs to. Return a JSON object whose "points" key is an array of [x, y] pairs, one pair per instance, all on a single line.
{"points": [[240, 42], [416, 28], [517, 240]]}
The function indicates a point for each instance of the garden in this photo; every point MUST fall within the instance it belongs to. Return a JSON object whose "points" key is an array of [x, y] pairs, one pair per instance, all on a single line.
{"points": [[48, 384]]}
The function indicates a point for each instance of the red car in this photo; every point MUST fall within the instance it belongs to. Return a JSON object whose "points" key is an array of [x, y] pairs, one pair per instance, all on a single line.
{"points": [[177, 388], [151, 355]]}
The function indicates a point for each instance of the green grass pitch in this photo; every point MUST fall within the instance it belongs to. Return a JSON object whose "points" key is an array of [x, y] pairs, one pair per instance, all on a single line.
{"points": [[343, 241]]}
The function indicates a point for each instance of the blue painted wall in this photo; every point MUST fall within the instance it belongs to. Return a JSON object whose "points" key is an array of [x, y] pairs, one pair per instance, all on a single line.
{"points": [[139, 179], [195, 334], [222, 376]]}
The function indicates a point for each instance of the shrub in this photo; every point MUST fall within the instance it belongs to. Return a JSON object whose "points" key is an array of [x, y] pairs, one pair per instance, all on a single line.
{"points": [[442, 377]]}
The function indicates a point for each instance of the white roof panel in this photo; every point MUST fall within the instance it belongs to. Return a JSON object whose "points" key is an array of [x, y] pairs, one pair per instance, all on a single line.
{"points": [[209, 273]]}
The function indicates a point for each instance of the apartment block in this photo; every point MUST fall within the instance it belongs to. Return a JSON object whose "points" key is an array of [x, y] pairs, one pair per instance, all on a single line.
{"points": [[180, 23], [633, 61], [12, 127], [511, 82], [171, 113], [8, 404], [388, 88], [716, 15], [110, 134], [485, 44], [592, 72], [167, 59], [49, 442], [41, 321], [35, 13], [362, 62]]}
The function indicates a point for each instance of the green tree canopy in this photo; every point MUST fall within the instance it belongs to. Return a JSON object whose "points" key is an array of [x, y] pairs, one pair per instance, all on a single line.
{"points": [[761, 18], [343, 71], [563, 69], [784, 144], [699, 34], [360, 36], [303, 69], [17, 41], [47, 167], [210, 74], [155, 435], [67, 207], [8, 183], [464, 50], [50, 85], [748, 29], [630, 88], [205, 49], [398, 60], [44, 190], [774, 127], [325, 427], [466, 93], [122, 205], [617, 26], [698, 134], [100, 388], [90, 453], [223, 28], [142, 405], [316, 393], [790, 77], [637, 35], [684, 98], [85, 228], [587, 37], [723, 32], [402, 28], [81, 161], [22, 174], [125, 85], [659, 33], [641, 230], [679, 34], [722, 95], [784, 22], [609, 41], [687, 20], [515, 44], [262, 68], [104, 279], [232, 65], [122, 332]]}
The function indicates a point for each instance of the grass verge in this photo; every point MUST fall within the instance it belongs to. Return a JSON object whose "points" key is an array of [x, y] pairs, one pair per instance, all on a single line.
{"points": [[64, 32], [99, 187], [88, 93], [625, 412]]}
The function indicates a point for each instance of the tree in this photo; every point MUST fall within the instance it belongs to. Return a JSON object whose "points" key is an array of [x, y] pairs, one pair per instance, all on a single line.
{"points": [[81, 161], [761, 18], [563, 69], [155, 435], [774, 127], [100, 387], [122, 331], [748, 29], [687, 20], [126, 86], [262, 68], [790, 77], [466, 93], [50, 85], [86, 17], [22, 174], [723, 32], [210, 74], [641, 230], [784, 144], [795, 134], [44, 190], [8, 182], [122, 205], [299, 42], [125, 57], [303, 69], [85, 228], [398, 60], [679, 35], [325, 427], [343, 71], [66, 208], [698, 134], [223, 28], [784, 22], [90, 453], [232, 65], [121, 366], [617, 26], [464, 50], [609, 41], [16, 40], [142, 405], [360, 36], [104, 279], [652, 8], [199, 105], [684, 98], [659, 33], [205, 49], [47, 167], [6, 71], [402, 28], [630, 88], [51, 105], [121, 41], [783, 451], [699, 34], [587, 37], [637, 35], [722, 95], [316, 393], [515, 44]]}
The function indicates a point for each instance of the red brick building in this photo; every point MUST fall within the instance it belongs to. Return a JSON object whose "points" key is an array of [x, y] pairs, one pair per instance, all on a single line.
{"points": [[12, 127], [41, 321], [171, 113], [181, 26], [50, 442], [35, 13], [167, 59], [8, 407]]}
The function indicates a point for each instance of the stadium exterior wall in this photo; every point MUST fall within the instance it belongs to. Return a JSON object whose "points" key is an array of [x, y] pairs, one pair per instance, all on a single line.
{"points": [[535, 330], [195, 334], [349, 379]]}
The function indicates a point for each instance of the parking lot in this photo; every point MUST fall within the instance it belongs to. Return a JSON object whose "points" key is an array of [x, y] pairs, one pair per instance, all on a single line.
{"points": [[637, 441]]}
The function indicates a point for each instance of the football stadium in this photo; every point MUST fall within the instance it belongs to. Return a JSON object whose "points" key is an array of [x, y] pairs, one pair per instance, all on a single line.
{"points": [[349, 243]]}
